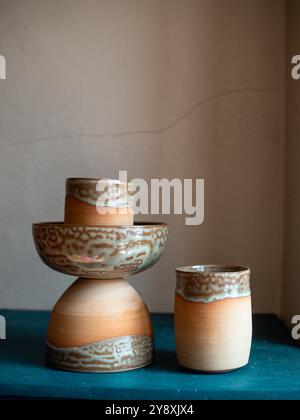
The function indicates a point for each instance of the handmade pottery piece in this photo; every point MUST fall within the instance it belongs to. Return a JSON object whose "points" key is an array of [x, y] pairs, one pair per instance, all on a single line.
{"points": [[213, 317], [91, 201], [100, 324]]}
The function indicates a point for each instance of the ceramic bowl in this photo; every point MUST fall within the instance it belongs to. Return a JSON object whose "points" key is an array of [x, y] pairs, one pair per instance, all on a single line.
{"points": [[213, 317], [90, 203], [95, 252]]}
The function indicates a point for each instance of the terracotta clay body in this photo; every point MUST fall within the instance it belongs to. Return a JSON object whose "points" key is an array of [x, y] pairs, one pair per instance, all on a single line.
{"points": [[99, 202], [213, 318], [92, 312], [80, 213]]}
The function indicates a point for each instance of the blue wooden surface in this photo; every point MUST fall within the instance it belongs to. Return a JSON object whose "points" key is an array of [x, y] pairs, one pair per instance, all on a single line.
{"points": [[273, 372]]}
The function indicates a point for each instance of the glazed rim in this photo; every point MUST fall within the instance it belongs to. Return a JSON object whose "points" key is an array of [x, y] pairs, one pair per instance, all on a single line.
{"points": [[96, 180], [136, 225], [212, 268]]}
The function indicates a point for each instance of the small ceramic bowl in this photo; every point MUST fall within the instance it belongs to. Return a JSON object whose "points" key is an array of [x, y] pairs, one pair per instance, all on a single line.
{"points": [[99, 202], [213, 317]]}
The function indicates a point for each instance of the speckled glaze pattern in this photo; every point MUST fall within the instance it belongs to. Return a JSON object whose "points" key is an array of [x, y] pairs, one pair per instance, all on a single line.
{"points": [[113, 193], [100, 252], [111, 355], [209, 284]]}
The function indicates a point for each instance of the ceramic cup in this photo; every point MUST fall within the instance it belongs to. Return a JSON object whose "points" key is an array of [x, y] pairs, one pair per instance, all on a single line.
{"points": [[106, 202], [213, 317]]}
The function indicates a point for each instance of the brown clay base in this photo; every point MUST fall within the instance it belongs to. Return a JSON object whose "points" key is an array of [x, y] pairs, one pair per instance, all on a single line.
{"points": [[213, 337], [100, 326]]}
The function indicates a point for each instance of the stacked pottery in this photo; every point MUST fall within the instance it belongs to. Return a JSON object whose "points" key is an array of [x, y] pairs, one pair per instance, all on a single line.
{"points": [[100, 324], [213, 319]]}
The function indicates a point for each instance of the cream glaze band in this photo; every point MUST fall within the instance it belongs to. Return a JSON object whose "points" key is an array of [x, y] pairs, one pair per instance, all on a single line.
{"points": [[113, 193], [212, 283], [111, 355]]}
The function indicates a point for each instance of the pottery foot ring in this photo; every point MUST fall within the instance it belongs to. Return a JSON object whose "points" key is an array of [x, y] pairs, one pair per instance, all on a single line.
{"points": [[100, 326]]}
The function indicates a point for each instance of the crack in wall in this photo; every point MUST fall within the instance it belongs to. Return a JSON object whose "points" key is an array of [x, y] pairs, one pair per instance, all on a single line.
{"points": [[157, 131]]}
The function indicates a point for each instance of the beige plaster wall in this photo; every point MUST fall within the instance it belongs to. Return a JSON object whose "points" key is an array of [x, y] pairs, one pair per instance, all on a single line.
{"points": [[162, 88]]}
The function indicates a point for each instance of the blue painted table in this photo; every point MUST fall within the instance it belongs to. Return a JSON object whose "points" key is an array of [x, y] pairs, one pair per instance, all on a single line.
{"points": [[273, 372]]}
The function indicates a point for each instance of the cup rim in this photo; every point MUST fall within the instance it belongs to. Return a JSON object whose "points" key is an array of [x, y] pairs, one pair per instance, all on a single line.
{"points": [[136, 225], [205, 269], [96, 180]]}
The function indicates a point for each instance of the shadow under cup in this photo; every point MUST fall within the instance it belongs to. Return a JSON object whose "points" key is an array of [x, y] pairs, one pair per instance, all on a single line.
{"points": [[213, 317]]}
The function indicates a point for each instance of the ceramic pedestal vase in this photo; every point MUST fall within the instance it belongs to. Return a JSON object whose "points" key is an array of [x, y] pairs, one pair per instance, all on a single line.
{"points": [[100, 324], [213, 318]]}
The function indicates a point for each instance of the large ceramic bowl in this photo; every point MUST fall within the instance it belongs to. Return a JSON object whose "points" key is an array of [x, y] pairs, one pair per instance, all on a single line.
{"points": [[96, 252]]}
